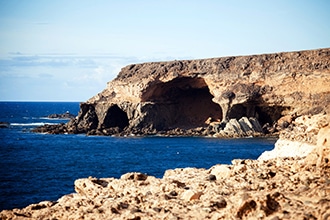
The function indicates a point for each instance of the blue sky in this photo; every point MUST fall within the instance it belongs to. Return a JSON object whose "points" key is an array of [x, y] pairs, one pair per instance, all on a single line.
{"points": [[66, 50]]}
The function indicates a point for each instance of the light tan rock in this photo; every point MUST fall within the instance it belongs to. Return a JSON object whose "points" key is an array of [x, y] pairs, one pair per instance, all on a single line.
{"points": [[221, 171]]}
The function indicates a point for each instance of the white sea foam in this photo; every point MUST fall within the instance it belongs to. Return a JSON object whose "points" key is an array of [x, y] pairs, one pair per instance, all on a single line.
{"points": [[46, 118], [32, 124]]}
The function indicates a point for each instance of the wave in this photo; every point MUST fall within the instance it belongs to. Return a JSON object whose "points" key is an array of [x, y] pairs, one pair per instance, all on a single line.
{"points": [[46, 118], [32, 124]]}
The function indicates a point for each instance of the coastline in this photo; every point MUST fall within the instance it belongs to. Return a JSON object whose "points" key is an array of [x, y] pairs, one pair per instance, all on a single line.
{"points": [[244, 96], [283, 187]]}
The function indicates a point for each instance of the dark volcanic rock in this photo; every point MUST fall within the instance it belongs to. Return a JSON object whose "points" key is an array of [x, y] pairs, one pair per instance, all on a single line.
{"points": [[4, 124], [66, 115]]}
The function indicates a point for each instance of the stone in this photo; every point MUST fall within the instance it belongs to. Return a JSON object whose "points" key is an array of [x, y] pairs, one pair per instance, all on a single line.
{"points": [[181, 96], [301, 139], [246, 208], [289, 182], [220, 171], [191, 195]]}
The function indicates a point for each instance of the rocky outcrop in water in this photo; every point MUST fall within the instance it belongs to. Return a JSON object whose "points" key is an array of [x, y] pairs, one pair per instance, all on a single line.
{"points": [[66, 115], [223, 97]]}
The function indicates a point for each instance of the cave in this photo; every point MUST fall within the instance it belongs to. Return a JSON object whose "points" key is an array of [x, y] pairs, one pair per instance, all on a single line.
{"points": [[182, 103], [264, 113], [115, 117]]}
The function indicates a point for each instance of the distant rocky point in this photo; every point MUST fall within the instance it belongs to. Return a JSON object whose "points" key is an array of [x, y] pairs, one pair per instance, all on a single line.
{"points": [[4, 124], [234, 96], [66, 115]]}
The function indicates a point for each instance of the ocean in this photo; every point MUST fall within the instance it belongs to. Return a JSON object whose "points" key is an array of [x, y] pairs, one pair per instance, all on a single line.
{"points": [[35, 167]]}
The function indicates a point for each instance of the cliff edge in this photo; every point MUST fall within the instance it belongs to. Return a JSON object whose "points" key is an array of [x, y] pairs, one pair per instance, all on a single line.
{"points": [[223, 97]]}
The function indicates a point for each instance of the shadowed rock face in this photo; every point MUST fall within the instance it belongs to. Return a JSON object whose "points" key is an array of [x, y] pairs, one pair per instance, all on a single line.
{"points": [[182, 103], [208, 94], [115, 117]]}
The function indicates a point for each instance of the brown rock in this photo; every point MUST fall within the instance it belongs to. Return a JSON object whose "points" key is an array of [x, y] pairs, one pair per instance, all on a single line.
{"points": [[184, 96]]}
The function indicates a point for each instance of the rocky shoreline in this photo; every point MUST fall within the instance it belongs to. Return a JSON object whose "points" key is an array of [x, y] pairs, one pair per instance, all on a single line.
{"points": [[273, 187], [283, 94]]}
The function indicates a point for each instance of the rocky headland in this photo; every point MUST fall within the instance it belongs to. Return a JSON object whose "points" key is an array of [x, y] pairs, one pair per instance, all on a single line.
{"points": [[286, 94], [66, 115], [222, 97]]}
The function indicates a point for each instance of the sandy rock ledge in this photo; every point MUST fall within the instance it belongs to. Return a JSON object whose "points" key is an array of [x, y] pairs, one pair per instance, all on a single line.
{"points": [[279, 188]]}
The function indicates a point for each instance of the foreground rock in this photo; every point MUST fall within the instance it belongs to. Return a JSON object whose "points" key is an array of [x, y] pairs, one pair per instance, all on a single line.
{"points": [[299, 138], [279, 188], [222, 97]]}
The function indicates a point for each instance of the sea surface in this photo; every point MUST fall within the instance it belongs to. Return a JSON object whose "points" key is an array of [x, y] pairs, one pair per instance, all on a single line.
{"points": [[36, 167]]}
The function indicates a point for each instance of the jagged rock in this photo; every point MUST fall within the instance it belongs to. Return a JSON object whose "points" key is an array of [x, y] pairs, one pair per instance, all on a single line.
{"points": [[160, 97], [300, 139], [279, 188]]}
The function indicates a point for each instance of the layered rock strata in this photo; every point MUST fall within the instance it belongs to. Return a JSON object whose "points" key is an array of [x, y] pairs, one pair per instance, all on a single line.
{"points": [[224, 97], [280, 188]]}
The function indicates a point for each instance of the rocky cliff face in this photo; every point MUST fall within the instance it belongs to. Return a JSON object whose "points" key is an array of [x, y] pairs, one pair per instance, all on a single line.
{"points": [[228, 96]]}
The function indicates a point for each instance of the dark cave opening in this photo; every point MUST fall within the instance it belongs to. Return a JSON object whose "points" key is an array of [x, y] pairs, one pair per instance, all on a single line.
{"points": [[115, 117], [265, 114], [182, 103]]}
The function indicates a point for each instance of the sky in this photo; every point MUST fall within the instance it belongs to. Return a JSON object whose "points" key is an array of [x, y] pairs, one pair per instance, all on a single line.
{"points": [[67, 50]]}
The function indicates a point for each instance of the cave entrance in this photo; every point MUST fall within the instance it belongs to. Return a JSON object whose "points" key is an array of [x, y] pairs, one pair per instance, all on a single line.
{"points": [[115, 117], [265, 114], [183, 103]]}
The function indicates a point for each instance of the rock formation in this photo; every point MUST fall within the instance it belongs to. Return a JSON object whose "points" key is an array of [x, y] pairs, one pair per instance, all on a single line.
{"points": [[278, 188], [66, 115], [224, 97], [4, 124], [231, 96]]}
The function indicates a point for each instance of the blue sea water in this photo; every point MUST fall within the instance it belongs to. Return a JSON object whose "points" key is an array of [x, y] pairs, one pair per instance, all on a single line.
{"points": [[36, 167]]}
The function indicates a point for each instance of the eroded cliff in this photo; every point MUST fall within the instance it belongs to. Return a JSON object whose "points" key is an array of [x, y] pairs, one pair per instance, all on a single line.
{"points": [[228, 96]]}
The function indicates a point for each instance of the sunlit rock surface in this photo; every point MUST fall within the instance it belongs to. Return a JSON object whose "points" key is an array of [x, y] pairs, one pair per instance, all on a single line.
{"points": [[218, 97], [279, 188]]}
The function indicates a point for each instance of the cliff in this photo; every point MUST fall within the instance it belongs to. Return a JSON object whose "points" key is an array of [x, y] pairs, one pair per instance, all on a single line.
{"points": [[224, 97], [288, 93]]}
